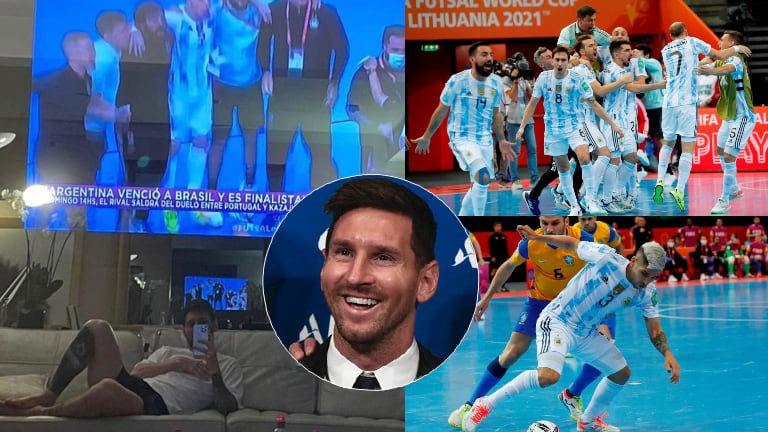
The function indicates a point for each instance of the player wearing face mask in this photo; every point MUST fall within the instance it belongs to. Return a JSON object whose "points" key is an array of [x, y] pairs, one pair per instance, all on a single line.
{"points": [[705, 260], [376, 101], [677, 266]]}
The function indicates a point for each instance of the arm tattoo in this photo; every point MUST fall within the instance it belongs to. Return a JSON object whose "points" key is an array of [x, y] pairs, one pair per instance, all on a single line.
{"points": [[498, 126], [660, 342]]}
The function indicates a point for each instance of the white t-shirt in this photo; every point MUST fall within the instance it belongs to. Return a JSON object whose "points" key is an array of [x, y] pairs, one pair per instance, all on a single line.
{"points": [[184, 393]]}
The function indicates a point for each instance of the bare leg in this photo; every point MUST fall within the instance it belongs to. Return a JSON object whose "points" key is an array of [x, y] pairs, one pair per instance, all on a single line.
{"points": [[94, 347], [107, 398], [215, 156]]}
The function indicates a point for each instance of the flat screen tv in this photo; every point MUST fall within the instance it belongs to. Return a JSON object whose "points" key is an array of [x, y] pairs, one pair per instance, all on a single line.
{"points": [[228, 294]]}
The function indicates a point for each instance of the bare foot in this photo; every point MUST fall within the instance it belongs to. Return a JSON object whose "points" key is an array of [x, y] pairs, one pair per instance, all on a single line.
{"points": [[6, 410], [45, 399]]}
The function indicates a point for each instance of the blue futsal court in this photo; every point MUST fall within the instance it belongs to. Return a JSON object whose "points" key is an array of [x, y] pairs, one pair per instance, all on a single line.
{"points": [[701, 195], [717, 331]]}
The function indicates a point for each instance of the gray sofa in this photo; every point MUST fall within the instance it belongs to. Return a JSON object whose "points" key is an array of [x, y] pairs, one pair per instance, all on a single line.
{"points": [[274, 385]]}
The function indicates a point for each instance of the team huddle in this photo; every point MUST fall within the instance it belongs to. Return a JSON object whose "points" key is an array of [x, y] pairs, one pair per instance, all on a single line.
{"points": [[579, 283], [601, 139]]}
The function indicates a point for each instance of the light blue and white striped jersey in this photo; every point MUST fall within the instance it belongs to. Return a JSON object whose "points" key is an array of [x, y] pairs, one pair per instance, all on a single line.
{"points": [[680, 58], [563, 98], [636, 63], [234, 58], [105, 80], [588, 75], [191, 53], [617, 102], [742, 108], [600, 288], [472, 103]]}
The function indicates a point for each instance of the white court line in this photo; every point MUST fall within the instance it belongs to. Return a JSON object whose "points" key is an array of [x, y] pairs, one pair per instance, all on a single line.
{"points": [[749, 305]]}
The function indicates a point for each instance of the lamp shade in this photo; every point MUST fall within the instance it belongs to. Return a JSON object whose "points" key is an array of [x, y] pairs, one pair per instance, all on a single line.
{"points": [[6, 138]]}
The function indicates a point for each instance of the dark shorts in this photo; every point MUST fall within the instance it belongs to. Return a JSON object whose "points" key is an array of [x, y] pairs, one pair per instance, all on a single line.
{"points": [[526, 321], [250, 107], [153, 402]]}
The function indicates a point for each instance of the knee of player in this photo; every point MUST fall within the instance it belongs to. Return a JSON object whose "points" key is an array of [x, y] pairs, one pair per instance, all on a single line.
{"points": [[483, 176], [547, 377], [106, 386], [630, 157], [97, 324], [622, 376]]}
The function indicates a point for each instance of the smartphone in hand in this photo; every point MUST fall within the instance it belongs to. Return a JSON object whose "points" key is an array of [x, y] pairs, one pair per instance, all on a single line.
{"points": [[200, 333]]}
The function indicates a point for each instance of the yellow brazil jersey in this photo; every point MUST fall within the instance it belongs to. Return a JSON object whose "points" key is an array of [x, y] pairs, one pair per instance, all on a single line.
{"points": [[604, 234], [552, 267]]}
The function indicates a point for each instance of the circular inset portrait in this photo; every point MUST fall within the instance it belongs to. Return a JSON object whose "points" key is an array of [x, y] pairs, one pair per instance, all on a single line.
{"points": [[370, 282]]}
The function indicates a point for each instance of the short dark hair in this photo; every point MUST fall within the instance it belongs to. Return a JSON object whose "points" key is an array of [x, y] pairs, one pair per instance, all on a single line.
{"points": [[199, 306], [143, 11], [585, 11], [539, 52], [617, 44], [387, 195], [579, 44], [474, 46], [737, 36], [106, 21], [645, 48], [393, 30], [559, 49]]}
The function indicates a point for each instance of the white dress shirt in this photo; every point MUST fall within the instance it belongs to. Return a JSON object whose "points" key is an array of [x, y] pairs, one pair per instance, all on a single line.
{"points": [[396, 373]]}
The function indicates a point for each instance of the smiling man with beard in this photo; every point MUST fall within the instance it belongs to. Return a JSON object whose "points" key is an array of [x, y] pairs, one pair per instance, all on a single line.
{"points": [[379, 265]]}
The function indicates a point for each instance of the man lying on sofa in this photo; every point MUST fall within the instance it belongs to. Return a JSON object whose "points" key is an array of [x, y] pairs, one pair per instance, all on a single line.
{"points": [[171, 381]]}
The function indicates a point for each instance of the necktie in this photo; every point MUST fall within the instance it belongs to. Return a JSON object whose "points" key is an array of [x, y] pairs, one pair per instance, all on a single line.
{"points": [[367, 381]]}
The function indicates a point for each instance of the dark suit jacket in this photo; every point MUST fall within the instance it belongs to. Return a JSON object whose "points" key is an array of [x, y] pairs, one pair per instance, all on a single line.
{"points": [[317, 362]]}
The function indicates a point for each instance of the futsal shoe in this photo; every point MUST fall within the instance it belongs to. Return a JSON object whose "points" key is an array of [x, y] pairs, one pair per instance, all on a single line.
{"points": [[679, 199], [658, 192], [594, 208], [560, 203], [611, 207], [736, 193], [573, 403], [476, 414], [457, 416], [533, 204], [171, 220], [672, 278], [517, 185], [596, 425], [721, 207], [684, 278]]}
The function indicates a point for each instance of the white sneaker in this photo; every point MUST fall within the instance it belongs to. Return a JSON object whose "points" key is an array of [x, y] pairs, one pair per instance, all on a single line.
{"points": [[672, 278], [611, 207], [642, 156], [516, 185], [559, 200], [703, 277], [476, 414], [576, 211], [624, 202], [684, 278], [721, 207], [457, 416], [732, 276], [594, 208], [717, 276]]}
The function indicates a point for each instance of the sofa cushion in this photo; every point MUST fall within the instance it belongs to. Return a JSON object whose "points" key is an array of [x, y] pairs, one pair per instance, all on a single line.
{"points": [[15, 386], [205, 421], [334, 400]]}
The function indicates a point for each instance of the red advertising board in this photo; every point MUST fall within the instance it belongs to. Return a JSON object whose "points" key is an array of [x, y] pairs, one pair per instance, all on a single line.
{"points": [[754, 157]]}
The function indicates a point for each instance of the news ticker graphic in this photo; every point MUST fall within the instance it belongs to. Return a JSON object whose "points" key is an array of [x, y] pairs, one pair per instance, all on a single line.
{"points": [[157, 198]]}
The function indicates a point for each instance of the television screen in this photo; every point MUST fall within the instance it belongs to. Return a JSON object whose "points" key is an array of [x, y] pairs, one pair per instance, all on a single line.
{"points": [[222, 293], [213, 118]]}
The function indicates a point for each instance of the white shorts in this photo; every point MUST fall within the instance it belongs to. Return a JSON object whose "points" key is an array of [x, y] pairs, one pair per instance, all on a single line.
{"points": [[679, 120], [191, 114], [630, 138], [554, 340], [556, 144], [594, 136], [468, 152], [615, 142], [733, 135]]}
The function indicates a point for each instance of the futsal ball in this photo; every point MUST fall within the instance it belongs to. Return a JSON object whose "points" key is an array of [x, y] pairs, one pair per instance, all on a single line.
{"points": [[543, 426]]}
